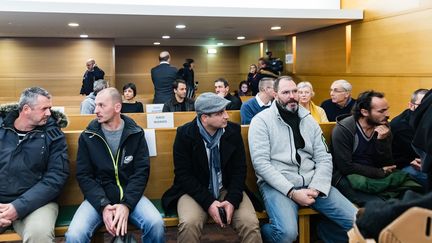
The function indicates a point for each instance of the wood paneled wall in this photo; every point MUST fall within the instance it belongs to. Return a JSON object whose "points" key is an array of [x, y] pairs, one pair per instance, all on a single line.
{"points": [[390, 52], [133, 64], [55, 64]]}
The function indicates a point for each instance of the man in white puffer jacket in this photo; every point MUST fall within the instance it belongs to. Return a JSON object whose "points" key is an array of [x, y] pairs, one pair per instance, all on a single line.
{"points": [[294, 168]]}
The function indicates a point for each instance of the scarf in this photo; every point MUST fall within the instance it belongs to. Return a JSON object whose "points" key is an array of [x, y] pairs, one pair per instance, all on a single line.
{"points": [[315, 112], [215, 180]]}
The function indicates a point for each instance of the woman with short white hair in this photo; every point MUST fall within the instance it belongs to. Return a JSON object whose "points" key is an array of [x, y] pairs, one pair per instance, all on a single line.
{"points": [[305, 92]]}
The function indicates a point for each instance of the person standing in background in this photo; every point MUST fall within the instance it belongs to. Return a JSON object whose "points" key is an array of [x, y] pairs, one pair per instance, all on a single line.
{"points": [[92, 74], [253, 78], [163, 76], [186, 73]]}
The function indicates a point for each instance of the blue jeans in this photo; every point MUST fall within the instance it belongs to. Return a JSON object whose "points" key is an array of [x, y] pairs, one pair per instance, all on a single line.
{"points": [[145, 217], [419, 176], [283, 215]]}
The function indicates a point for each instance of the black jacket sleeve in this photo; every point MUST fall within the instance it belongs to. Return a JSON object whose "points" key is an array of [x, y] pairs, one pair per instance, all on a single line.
{"points": [[235, 170], [138, 180], [92, 190], [52, 182]]}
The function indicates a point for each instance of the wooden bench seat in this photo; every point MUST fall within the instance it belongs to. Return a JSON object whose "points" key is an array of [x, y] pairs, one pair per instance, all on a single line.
{"points": [[161, 178]]}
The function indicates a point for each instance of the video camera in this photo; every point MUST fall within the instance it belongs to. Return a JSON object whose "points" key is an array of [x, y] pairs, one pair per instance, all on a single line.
{"points": [[275, 64]]}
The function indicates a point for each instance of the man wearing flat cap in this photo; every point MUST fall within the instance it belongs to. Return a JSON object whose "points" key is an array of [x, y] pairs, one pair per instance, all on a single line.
{"points": [[210, 173]]}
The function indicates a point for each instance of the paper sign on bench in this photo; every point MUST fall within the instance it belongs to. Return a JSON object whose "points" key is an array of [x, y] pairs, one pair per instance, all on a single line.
{"points": [[150, 137], [58, 108], [153, 108], [160, 120]]}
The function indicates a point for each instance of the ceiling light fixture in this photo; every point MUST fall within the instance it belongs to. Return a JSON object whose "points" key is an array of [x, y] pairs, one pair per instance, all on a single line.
{"points": [[84, 36], [166, 37], [73, 24], [180, 26], [241, 37], [276, 28], [156, 43], [211, 51], [220, 44]]}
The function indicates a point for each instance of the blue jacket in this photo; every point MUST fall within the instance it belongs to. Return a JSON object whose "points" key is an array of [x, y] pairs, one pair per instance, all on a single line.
{"points": [[33, 172], [106, 178]]}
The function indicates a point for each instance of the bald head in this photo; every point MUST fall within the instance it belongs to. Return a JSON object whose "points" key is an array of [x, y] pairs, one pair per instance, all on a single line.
{"points": [[164, 56], [90, 64], [112, 93]]}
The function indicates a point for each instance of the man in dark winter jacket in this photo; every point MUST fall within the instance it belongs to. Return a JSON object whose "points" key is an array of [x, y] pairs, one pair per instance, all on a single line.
{"points": [[34, 166], [112, 170], [210, 173], [92, 74]]}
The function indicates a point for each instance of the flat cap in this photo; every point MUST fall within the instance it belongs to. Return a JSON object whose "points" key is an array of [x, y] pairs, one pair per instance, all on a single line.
{"points": [[209, 102]]}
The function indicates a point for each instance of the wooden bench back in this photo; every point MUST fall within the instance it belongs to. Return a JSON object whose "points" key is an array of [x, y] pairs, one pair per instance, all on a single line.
{"points": [[161, 166], [80, 122]]}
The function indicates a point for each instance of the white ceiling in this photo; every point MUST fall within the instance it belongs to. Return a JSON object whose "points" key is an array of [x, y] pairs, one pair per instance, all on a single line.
{"points": [[143, 25]]}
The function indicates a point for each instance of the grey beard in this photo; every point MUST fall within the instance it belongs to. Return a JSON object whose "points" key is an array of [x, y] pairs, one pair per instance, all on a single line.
{"points": [[288, 109]]}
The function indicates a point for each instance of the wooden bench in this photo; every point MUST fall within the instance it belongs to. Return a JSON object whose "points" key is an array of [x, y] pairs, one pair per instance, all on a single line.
{"points": [[161, 178], [80, 122]]}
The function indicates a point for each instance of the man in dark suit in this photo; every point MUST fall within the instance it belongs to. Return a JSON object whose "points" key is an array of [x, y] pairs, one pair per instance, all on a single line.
{"points": [[210, 173], [163, 76]]}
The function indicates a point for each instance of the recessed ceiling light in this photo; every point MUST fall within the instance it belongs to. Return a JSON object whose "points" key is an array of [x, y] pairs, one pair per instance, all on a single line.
{"points": [[166, 37], [241, 37], [220, 44], [275, 28], [211, 51], [180, 26], [84, 36], [156, 43], [73, 24]]}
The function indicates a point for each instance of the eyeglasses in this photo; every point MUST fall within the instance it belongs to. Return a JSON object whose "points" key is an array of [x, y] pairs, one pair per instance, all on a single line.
{"points": [[338, 90]]}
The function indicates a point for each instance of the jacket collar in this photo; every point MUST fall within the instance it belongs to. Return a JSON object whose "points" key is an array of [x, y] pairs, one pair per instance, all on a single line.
{"points": [[348, 122], [9, 113], [226, 147], [130, 127]]}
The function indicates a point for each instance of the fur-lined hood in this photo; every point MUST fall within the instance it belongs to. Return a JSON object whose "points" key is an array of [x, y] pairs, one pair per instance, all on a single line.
{"points": [[59, 117]]}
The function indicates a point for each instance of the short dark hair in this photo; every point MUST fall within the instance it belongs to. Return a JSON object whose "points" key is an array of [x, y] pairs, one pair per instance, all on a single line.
{"points": [[189, 60], [177, 82], [224, 81], [277, 81], [364, 101], [416, 94], [131, 86]]}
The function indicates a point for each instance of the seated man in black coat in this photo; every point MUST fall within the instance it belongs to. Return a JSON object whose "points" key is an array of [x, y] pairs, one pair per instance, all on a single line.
{"points": [[179, 101], [403, 153], [210, 173], [222, 89]]}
